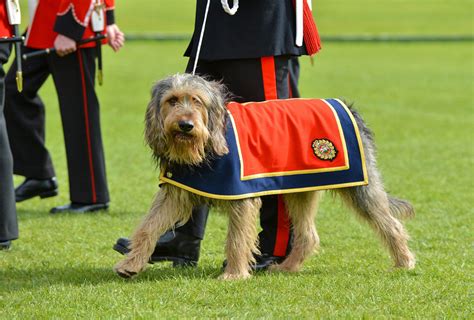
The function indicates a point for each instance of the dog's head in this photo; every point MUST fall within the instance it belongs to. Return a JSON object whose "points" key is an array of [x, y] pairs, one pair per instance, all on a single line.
{"points": [[185, 119]]}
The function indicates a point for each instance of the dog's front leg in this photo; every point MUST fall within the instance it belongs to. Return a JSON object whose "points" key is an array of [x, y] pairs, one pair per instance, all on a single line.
{"points": [[162, 216], [241, 238]]}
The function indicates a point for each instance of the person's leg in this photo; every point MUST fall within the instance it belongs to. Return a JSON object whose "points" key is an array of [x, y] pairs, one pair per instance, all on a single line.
{"points": [[8, 218], [25, 119], [259, 80], [294, 76], [74, 77]]}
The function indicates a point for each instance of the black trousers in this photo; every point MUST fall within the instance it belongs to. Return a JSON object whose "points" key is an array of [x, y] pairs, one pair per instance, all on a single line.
{"points": [[252, 80], [74, 79], [8, 219]]}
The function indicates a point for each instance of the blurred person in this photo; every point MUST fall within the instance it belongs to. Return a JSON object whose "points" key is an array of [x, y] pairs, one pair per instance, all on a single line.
{"points": [[8, 218], [253, 50], [62, 24]]}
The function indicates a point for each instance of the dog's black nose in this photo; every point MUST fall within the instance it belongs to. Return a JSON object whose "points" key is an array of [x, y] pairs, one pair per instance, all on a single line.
{"points": [[186, 125]]}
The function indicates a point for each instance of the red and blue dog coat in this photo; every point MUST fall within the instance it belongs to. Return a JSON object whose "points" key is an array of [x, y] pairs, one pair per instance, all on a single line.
{"points": [[280, 146]]}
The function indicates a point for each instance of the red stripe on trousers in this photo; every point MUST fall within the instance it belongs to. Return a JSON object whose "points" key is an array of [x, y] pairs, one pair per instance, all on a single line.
{"points": [[283, 222], [283, 230], [88, 135], [269, 78]]}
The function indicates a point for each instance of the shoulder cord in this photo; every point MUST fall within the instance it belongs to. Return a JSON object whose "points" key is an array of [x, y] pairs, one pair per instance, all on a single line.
{"points": [[225, 6], [201, 36]]}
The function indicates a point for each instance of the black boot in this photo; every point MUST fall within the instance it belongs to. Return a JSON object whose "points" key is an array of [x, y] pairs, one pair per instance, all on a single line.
{"points": [[180, 248], [262, 262], [31, 188], [80, 207], [5, 245]]}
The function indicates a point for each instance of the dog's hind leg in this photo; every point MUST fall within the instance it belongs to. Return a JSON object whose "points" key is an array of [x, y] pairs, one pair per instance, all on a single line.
{"points": [[374, 205], [242, 237], [302, 209], [163, 215]]}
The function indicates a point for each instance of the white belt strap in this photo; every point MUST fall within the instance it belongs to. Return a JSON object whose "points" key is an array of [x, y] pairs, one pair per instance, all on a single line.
{"points": [[13, 12]]}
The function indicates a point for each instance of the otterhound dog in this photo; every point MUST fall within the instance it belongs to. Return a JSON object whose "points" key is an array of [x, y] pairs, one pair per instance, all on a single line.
{"points": [[213, 152]]}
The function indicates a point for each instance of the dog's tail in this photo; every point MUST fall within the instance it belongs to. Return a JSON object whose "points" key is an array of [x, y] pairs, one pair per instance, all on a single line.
{"points": [[400, 208]]}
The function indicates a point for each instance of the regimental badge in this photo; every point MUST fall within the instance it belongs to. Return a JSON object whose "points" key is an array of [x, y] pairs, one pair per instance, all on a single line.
{"points": [[324, 149]]}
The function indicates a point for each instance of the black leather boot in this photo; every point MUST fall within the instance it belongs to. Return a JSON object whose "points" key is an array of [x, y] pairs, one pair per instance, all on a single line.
{"points": [[180, 248], [5, 245], [262, 262], [80, 207], [31, 188]]}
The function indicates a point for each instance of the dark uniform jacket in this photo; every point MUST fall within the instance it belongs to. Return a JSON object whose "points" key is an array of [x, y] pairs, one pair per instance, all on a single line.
{"points": [[260, 28]]}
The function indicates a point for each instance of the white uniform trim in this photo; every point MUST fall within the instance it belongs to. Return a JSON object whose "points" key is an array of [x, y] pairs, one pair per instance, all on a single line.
{"points": [[13, 12], [233, 10], [87, 17], [299, 23], [299, 20]]}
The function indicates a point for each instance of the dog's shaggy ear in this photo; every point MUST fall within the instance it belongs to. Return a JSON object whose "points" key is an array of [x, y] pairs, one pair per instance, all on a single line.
{"points": [[154, 127], [217, 118]]}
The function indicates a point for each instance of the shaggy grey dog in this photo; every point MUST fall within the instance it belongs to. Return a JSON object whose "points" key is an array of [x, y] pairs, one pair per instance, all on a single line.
{"points": [[185, 124]]}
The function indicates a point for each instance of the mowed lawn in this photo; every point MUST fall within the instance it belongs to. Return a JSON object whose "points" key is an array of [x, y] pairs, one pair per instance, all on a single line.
{"points": [[417, 98]]}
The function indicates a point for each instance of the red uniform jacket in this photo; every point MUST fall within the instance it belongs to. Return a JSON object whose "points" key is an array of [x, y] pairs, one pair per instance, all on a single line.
{"points": [[5, 27], [67, 17]]}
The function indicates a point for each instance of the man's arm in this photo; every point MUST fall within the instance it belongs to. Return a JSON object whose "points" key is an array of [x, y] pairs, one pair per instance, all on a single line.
{"points": [[71, 22], [116, 38]]}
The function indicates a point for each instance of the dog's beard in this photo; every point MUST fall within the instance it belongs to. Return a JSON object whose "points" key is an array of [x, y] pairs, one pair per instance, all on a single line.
{"points": [[188, 149]]}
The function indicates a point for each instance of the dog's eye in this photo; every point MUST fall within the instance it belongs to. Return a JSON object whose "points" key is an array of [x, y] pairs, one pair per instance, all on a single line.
{"points": [[197, 101], [172, 101]]}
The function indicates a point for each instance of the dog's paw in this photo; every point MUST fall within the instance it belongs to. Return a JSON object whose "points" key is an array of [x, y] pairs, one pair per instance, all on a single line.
{"points": [[283, 267], [234, 276], [124, 270], [408, 262], [124, 273]]}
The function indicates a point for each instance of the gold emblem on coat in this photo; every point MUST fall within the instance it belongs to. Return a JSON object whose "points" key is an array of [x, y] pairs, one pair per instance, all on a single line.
{"points": [[324, 149]]}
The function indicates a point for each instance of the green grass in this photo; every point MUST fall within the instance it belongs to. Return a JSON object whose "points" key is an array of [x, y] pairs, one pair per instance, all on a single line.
{"points": [[417, 98], [421, 113]]}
